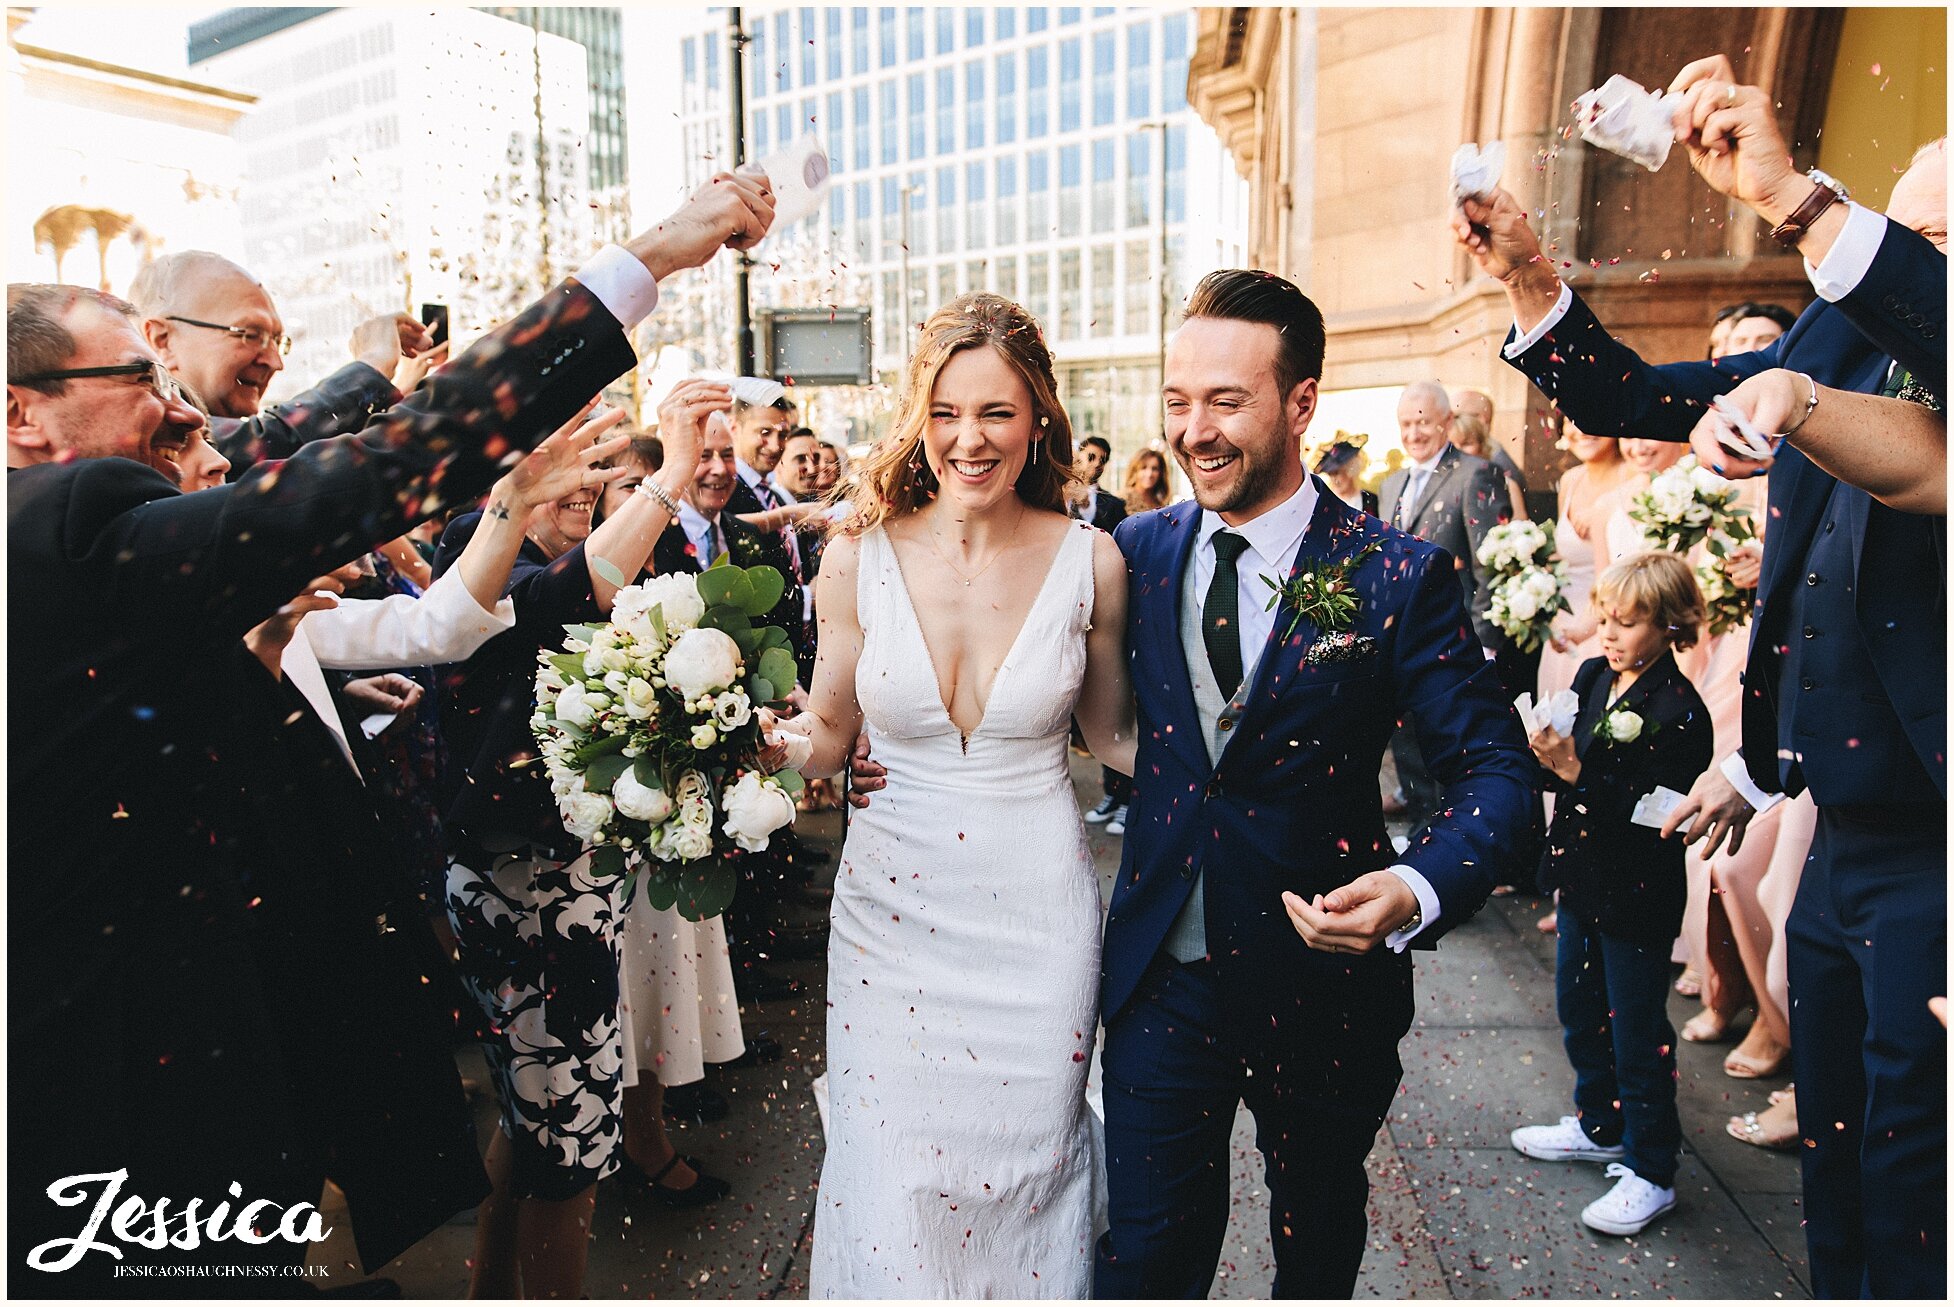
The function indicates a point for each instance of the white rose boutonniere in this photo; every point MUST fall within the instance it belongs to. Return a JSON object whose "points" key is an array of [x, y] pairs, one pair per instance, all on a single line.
{"points": [[1623, 726]]}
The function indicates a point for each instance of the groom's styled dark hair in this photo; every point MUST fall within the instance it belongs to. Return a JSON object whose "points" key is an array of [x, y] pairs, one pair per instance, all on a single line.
{"points": [[1250, 295]]}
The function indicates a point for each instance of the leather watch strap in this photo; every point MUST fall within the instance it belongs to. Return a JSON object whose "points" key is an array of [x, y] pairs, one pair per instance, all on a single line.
{"points": [[1789, 232]]}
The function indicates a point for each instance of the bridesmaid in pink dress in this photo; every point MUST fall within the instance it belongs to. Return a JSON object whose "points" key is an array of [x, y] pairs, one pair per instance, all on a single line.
{"points": [[1588, 494]]}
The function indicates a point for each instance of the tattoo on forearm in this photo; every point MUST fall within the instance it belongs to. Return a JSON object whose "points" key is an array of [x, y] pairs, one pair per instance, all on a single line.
{"points": [[499, 510]]}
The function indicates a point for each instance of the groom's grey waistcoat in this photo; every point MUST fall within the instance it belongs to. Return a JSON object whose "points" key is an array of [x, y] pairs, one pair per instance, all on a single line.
{"points": [[1187, 940]]}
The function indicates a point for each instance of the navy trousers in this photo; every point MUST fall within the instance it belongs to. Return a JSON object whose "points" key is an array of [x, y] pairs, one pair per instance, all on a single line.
{"points": [[1172, 1084], [1867, 943], [1613, 1000]]}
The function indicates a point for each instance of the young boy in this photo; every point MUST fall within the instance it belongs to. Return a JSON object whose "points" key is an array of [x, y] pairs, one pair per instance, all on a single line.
{"points": [[1641, 725]]}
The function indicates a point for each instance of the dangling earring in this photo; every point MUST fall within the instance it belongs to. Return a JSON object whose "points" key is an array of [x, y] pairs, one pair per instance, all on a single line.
{"points": [[1035, 446]]}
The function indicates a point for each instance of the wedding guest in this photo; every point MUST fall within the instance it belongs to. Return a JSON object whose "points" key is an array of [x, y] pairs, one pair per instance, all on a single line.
{"points": [[1855, 713], [1477, 406], [144, 581], [1342, 469], [216, 326], [531, 921], [1587, 496], [1640, 725], [1470, 435], [1450, 499], [1090, 501], [1741, 328], [834, 466], [799, 472], [1147, 486]]}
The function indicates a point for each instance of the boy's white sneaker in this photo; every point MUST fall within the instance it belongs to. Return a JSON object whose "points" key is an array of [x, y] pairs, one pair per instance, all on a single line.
{"points": [[1630, 1206], [1566, 1142]]}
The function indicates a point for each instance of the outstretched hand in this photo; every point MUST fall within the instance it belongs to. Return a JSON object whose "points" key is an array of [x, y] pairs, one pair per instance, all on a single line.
{"points": [[567, 462], [730, 211], [1713, 810], [1355, 918]]}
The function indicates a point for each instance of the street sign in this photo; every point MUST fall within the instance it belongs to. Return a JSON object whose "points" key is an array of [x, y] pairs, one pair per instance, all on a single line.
{"points": [[817, 347]]}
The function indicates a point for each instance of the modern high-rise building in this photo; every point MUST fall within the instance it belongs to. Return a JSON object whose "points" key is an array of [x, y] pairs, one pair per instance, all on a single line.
{"points": [[600, 33], [401, 156], [1021, 150]]}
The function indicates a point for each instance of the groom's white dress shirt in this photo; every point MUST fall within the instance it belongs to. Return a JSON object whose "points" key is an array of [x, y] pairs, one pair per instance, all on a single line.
{"points": [[1273, 538]]}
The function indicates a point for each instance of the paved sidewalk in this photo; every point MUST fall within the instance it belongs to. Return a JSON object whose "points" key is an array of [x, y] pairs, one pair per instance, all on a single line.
{"points": [[1455, 1212]]}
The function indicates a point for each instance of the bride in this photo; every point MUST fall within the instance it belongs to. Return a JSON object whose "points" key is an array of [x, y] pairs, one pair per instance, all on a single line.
{"points": [[968, 618]]}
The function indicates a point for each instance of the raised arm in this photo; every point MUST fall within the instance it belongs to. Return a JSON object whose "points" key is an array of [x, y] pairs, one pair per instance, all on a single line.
{"points": [[1105, 710], [234, 554], [834, 716], [621, 546]]}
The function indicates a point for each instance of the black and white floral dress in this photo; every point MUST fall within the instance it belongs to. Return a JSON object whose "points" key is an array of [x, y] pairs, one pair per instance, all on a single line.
{"points": [[537, 936]]}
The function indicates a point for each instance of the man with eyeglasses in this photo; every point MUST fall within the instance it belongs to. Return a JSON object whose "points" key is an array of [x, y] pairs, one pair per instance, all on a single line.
{"points": [[214, 324], [140, 1030]]}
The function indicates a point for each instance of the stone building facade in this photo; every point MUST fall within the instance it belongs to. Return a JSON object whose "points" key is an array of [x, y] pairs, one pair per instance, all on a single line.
{"points": [[1344, 122]]}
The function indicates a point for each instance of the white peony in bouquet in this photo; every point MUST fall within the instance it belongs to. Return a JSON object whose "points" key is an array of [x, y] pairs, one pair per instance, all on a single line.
{"points": [[1528, 583], [647, 726], [1683, 505]]}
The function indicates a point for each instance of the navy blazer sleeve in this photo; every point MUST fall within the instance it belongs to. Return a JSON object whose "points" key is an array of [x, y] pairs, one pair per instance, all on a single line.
{"points": [[224, 559], [1487, 819], [1609, 390], [1900, 305], [340, 405]]}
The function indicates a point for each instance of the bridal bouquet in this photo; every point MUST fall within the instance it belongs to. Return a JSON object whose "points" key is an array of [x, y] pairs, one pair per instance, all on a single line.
{"points": [[1727, 604], [1528, 583], [1682, 506], [647, 727]]}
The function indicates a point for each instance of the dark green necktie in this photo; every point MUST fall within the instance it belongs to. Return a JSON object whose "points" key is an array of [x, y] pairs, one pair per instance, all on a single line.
{"points": [[1221, 612]]}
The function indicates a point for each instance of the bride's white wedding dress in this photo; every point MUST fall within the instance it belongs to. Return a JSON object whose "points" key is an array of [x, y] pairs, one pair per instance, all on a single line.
{"points": [[963, 973]]}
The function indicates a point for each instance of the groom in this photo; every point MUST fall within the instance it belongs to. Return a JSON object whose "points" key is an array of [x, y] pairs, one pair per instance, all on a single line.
{"points": [[1254, 947]]}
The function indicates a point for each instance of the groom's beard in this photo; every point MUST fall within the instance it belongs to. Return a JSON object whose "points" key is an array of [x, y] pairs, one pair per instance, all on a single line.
{"points": [[1258, 475]]}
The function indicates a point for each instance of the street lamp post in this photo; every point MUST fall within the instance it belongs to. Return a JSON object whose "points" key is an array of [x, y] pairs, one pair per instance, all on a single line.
{"points": [[1166, 286], [742, 262], [907, 191]]}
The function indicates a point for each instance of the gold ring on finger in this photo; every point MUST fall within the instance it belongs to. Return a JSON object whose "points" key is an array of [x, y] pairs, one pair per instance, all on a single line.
{"points": [[1730, 96]]}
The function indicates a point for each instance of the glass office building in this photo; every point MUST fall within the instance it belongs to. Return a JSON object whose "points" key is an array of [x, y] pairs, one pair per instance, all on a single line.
{"points": [[1018, 150]]}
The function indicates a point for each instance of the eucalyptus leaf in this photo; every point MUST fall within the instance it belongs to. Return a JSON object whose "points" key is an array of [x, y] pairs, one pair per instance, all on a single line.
{"points": [[777, 665], [790, 780], [772, 637], [759, 689], [661, 887], [584, 633], [601, 774], [645, 768], [705, 888], [718, 582], [571, 665], [725, 617], [765, 585], [606, 861], [606, 570]]}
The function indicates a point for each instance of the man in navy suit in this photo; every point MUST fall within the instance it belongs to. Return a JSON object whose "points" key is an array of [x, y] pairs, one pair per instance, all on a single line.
{"points": [[1844, 692], [1242, 957]]}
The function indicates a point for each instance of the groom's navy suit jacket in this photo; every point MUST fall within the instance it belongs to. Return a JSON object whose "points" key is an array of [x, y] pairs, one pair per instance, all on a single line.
{"points": [[1292, 803], [1845, 691]]}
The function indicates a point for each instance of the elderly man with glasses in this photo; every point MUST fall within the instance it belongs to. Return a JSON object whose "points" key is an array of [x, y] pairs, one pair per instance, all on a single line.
{"points": [[215, 325]]}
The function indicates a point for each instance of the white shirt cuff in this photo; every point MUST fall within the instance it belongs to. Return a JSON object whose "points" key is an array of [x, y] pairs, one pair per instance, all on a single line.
{"points": [[1521, 344], [1738, 775], [1427, 906], [621, 283], [1845, 265]]}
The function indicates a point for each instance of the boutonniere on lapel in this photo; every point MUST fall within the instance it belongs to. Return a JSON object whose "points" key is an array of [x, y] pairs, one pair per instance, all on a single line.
{"points": [[1623, 726], [1324, 596]]}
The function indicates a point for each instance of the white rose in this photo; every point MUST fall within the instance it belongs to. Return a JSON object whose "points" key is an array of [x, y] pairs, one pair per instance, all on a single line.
{"points": [[1697, 513], [1624, 726], [677, 596], [642, 802], [732, 709], [756, 806], [701, 661], [1542, 586], [689, 843], [691, 787], [705, 736], [573, 706], [1522, 603], [584, 814]]}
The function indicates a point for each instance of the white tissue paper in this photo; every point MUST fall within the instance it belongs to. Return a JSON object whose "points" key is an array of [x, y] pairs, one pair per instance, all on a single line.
{"points": [[1624, 118], [799, 747], [1476, 169], [1743, 438], [1558, 712], [1653, 808], [798, 175]]}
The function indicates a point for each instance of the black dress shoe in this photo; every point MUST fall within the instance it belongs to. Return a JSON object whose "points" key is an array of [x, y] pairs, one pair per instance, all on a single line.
{"points": [[760, 1050], [703, 1189], [695, 1102], [754, 985]]}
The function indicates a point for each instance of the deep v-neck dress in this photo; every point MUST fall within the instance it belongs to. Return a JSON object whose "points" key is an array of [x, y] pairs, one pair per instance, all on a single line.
{"points": [[963, 972]]}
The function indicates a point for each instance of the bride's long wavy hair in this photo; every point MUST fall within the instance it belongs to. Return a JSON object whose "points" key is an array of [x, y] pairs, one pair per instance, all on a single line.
{"points": [[896, 477]]}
